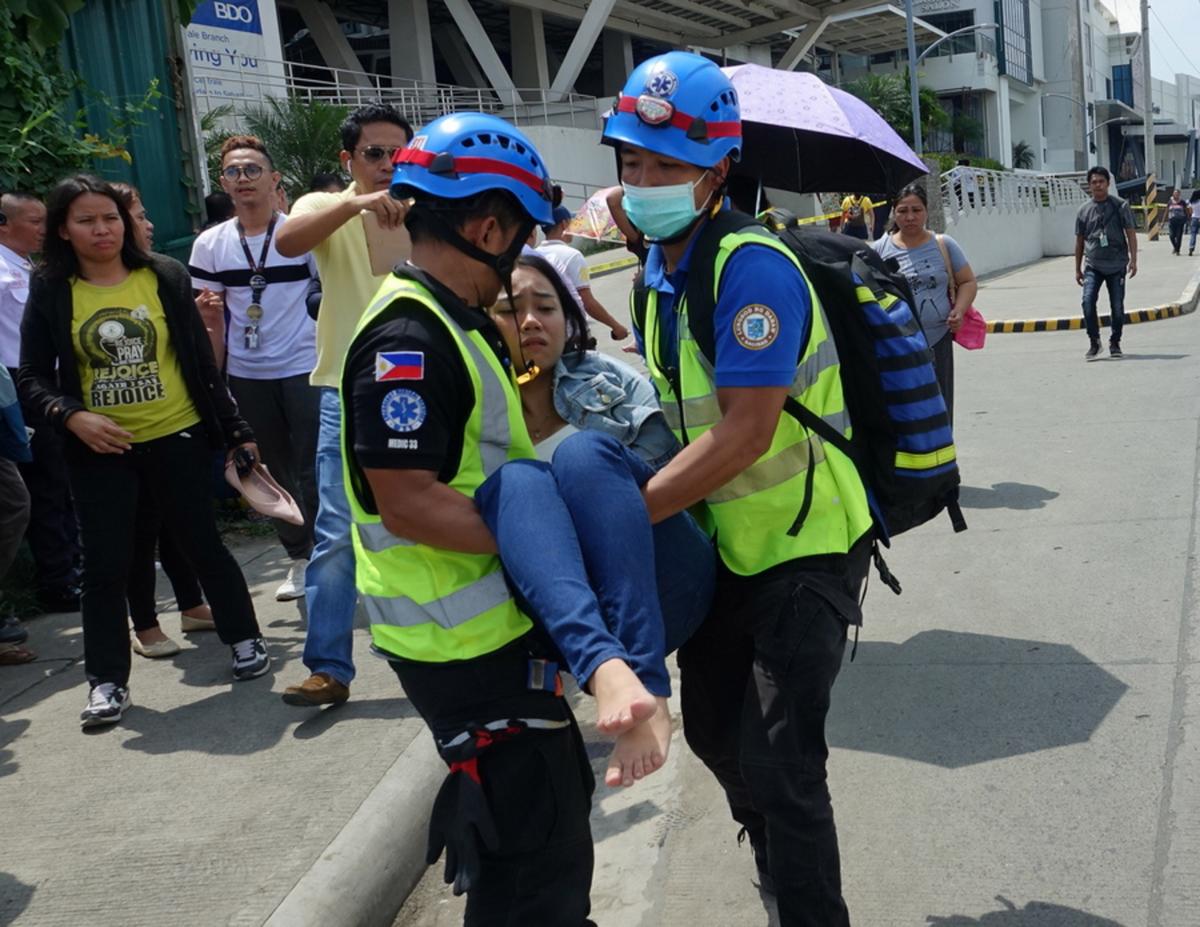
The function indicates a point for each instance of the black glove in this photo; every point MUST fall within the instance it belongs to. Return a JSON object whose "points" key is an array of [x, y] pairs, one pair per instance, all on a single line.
{"points": [[461, 824]]}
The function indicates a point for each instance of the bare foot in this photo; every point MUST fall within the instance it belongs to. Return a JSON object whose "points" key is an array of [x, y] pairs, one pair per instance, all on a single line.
{"points": [[642, 750], [153, 635], [621, 699]]}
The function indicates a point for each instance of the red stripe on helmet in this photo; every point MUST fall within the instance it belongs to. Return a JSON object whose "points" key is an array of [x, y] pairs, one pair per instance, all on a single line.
{"points": [[473, 165], [681, 120]]}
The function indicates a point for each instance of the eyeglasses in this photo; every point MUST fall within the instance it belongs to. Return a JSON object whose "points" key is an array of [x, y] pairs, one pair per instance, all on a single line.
{"points": [[372, 154], [234, 171]]}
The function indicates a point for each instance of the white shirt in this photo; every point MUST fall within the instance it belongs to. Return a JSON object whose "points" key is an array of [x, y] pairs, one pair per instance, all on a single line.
{"points": [[287, 337], [14, 291], [570, 264]]}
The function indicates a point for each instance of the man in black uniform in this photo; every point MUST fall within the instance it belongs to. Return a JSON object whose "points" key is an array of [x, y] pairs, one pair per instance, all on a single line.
{"points": [[430, 410]]}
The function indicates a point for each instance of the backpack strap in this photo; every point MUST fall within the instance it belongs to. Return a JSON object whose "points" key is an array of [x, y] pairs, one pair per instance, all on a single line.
{"points": [[701, 282]]}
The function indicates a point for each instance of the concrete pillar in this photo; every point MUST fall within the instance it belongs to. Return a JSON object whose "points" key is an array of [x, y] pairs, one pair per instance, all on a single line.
{"points": [[331, 42], [530, 68], [582, 44], [480, 44], [463, 69], [618, 60], [411, 40]]}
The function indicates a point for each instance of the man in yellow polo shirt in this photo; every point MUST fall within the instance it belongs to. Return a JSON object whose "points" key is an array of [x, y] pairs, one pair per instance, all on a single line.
{"points": [[331, 226]]}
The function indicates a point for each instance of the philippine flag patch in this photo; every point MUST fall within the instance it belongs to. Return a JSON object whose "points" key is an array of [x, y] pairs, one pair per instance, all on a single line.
{"points": [[399, 365]]}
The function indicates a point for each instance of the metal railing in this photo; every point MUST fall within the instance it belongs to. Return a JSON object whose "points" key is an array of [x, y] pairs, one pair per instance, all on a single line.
{"points": [[419, 101], [1005, 191]]}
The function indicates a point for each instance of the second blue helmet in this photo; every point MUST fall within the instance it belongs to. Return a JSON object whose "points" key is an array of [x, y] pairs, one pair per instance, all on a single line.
{"points": [[464, 154], [680, 105]]}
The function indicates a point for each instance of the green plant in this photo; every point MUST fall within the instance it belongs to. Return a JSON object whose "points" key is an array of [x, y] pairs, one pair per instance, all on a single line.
{"points": [[888, 95], [40, 140], [945, 160], [1022, 155], [303, 138]]}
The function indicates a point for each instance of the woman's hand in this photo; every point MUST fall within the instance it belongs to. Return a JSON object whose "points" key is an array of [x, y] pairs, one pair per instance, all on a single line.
{"points": [[251, 456], [955, 319], [99, 432]]}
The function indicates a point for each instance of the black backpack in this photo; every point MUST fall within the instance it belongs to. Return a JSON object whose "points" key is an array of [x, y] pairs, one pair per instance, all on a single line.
{"points": [[901, 444]]}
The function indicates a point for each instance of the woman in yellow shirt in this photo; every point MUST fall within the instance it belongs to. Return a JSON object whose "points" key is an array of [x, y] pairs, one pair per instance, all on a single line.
{"points": [[114, 353]]}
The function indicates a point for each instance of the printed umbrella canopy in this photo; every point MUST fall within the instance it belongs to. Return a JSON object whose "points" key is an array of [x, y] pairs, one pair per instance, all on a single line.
{"points": [[800, 134], [594, 220]]}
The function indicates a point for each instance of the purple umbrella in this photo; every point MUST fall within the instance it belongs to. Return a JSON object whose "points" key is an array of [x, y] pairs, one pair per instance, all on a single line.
{"points": [[801, 134]]}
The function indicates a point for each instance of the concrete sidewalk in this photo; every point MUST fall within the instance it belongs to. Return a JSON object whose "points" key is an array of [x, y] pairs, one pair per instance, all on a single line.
{"points": [[212, 800]]}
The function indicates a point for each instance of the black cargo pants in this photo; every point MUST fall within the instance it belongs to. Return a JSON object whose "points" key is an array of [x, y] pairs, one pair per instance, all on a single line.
{"points": [[538, 786], [755, 684]]}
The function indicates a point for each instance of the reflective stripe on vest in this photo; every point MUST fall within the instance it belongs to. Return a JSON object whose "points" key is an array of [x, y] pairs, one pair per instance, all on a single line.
{"points": [[753, 512], [425, 603], [447, 612]]}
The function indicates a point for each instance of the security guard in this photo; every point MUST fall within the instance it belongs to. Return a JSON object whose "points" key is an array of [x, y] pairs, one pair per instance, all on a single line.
{"points": [[431, 410], [756, 678]]}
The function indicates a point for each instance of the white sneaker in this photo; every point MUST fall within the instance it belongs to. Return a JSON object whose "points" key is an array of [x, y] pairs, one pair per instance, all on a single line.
{"points": [[107, 703], [293, 586]]}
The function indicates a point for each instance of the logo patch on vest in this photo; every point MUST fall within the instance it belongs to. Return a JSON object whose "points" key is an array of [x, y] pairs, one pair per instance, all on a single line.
{"points": [[755, 327], [403, 410]]}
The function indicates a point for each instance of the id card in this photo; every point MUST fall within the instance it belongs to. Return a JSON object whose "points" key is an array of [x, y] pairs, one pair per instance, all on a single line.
{"points": [[250, 339], [1104, 239]]}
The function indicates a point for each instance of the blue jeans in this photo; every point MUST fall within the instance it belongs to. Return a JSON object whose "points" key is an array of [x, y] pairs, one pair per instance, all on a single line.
{"points": [[1115, 282], [579, 550], [329, 582], [1195, 223]]}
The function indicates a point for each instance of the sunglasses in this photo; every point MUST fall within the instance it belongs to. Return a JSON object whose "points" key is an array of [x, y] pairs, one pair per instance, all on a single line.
{"points": [[234, 171], [373, 154]]}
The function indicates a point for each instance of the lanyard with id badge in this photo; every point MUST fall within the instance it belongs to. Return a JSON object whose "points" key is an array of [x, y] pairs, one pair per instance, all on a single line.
{"points": [[251, 339]]}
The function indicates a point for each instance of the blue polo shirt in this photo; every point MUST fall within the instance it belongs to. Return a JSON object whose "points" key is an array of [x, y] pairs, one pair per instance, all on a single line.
{"points": [[762, 316]]}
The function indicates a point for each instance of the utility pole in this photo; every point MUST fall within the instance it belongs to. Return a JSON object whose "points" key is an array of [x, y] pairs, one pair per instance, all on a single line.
{"points": [[914, 90], [1151, 203]]}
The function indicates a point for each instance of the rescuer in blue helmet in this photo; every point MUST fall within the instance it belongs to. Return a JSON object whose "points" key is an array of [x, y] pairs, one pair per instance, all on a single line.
{"points": [[431, 409], [729, 356]]}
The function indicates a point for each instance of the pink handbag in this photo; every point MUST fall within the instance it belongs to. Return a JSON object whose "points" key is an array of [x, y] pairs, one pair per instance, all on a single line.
{"points": [[973, 331]]}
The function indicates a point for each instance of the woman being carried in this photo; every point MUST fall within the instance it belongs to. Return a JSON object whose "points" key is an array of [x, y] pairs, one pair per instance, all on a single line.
{"points": [[648, 587]]}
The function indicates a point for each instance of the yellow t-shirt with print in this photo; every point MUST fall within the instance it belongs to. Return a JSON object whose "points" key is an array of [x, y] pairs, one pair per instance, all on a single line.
{"points": [[347, 285], [127, 365]]}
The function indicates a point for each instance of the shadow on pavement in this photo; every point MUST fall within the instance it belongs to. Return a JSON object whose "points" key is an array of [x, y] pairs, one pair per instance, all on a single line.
{"points": [[247, 718], [9, 731], [1034, 914], [1024, 496], [14, 897], [953, 699]]}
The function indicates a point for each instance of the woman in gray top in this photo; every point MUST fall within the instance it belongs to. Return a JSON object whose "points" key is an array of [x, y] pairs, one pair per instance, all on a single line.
{"points": [[921, 260]]}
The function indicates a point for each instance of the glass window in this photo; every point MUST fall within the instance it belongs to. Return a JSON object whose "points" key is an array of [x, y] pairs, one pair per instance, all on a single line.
{"points": [[951, 22], [1015, 51]]}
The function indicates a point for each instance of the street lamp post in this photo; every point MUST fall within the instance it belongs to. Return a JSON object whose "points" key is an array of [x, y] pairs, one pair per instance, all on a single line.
{"points": [[1082, 105]]}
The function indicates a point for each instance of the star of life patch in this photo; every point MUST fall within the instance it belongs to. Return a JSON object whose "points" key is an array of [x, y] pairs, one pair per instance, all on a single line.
{"points": [[403, 410], [662, 83], [755, 327]]}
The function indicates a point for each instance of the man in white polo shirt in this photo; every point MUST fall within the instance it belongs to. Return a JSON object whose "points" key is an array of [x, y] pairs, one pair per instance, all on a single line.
{"points": [[270, 341], [53, 534]]}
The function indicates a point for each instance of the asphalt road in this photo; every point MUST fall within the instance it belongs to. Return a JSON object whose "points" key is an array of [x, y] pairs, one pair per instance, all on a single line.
{"points": [[1017, 743]]}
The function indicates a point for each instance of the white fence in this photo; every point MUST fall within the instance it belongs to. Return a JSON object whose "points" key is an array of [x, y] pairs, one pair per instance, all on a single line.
{"points": [[419, 101], [1011, 218]]}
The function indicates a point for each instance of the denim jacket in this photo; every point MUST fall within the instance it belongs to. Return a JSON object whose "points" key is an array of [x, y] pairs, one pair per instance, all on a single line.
{"points": [[599, 393]]}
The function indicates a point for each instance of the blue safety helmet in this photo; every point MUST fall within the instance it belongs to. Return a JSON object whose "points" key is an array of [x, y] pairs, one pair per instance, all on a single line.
{"points": [[464, 154], [680, 105]]}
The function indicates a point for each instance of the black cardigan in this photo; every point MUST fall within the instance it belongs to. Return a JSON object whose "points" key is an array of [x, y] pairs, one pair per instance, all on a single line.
{"points": [[49, 375]]}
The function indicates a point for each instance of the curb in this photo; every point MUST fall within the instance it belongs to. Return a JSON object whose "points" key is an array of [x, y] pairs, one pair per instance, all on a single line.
{"points": [[611, 267], [368, 870], [1185, 305]]}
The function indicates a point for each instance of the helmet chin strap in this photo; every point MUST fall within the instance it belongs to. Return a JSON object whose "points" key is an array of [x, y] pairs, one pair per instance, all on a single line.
{"points": [[502, 265]]}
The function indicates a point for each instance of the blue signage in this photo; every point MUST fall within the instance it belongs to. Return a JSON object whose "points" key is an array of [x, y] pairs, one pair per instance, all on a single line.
{"points": [[240, 15]]}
